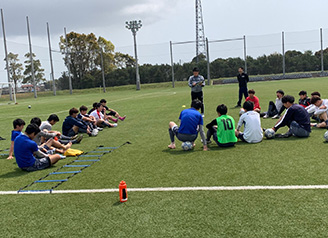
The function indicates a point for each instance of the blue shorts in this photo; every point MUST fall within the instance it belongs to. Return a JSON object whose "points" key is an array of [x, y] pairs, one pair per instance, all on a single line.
{"points": [[39, 164]]}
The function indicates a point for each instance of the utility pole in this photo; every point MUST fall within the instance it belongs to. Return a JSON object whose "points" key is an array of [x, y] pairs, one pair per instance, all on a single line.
{"points": [[31, 57], [6, 54], [68, 64], [51, 62], [134, 26]]}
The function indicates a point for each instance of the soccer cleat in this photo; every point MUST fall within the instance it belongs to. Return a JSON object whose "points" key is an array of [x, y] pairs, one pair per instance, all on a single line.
{"points": [[314, 124], [74, 137], [237, 106], [203, 115], [114, 120], [286, 135], [265, 116], [99, 128], [208, 142], [115, 125], [1, 138], [78, 140], [275, 116]]}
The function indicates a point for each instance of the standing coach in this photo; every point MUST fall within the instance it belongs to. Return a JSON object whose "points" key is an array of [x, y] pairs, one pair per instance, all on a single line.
{"points": [[197, 82], [242, 80]]}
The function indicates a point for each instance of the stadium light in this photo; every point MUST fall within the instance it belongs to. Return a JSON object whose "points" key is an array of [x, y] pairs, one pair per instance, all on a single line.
{"points": [[134, 26]]}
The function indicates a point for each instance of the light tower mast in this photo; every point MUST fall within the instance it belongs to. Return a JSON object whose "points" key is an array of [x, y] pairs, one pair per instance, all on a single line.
{"points": [[200, 35]]}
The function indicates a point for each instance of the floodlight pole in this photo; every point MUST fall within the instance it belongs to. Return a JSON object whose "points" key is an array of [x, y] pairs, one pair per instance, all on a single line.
{"points": [[134, 26], [208, 63], [6, 54], [245, 54], [321, 52], [31, 57], [51, 62]]}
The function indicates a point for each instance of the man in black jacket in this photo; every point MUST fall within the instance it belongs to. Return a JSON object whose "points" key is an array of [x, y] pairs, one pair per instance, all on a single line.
{"points": [[242, 80]]}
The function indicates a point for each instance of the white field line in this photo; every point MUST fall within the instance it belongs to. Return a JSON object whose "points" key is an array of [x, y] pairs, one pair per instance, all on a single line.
{"points": [[169, 189]]}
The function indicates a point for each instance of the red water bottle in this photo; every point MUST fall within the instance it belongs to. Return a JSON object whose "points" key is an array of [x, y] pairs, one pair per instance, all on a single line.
{"points": [[123, 191]]}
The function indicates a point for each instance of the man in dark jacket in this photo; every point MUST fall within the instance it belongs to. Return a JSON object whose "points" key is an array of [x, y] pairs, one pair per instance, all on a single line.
{"points": [[295, 117], [242, 80]]}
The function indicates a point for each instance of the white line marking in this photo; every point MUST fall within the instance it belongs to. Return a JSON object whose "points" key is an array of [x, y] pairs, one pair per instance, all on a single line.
{"points": [[169, 189]]}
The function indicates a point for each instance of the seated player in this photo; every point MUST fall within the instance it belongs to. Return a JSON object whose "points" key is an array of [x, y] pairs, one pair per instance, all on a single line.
{"points": [[51, 121], [72, 125], [87, 119], [24, 147], [275, 109], [304, 100], [222, 128], [111, 113], [191, 121], [252, 98], [100, 117], [253, 132], [93, 108], [46, 141], [321, 112], [295, 117], [311, 108], [18, 128]]}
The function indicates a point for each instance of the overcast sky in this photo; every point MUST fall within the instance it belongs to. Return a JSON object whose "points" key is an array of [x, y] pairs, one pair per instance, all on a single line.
{"points": [[166, 20]]}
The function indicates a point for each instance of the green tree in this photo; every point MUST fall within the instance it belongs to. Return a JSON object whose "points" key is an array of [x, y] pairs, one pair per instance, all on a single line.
{"points": [[15, 69], [38, 70]]}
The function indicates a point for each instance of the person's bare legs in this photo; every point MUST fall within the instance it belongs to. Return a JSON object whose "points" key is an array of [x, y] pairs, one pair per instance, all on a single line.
{"points": [[323, 117], [54, 158], [52, 142], [172, 145]]}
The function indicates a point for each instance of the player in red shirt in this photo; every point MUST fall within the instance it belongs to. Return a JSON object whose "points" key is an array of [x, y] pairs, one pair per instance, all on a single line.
{"points": [[251, 97]]}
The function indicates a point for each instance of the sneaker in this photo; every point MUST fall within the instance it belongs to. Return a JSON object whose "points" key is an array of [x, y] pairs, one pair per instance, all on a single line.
{"points": [[78, 140], [275, 116], [99, 128], [265, 116], [62, 157], [314, 124], [115, 125], [74, 137], [203, 115]]}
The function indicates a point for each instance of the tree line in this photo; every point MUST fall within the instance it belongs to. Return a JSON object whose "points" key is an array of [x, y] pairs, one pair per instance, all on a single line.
{"points": [[86, 55]]}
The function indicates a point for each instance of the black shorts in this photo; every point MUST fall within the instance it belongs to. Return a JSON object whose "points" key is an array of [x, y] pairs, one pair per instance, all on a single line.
{"points": [[111, 113]]}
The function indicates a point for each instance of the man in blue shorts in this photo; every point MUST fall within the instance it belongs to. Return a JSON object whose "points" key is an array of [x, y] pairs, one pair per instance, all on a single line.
{"points": [[191, 121], [25, 147]]}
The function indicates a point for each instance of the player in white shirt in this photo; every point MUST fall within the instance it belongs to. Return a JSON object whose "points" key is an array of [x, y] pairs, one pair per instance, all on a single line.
{"points": [[275, 109], [253, 132], [321, 111], [100, 117]]}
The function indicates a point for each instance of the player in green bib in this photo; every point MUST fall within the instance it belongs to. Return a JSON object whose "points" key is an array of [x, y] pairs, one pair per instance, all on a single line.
{"points": [[222, 128]]}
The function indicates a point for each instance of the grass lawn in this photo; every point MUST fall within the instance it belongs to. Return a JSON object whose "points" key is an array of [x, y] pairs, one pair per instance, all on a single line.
{"points": [[148, 163]]}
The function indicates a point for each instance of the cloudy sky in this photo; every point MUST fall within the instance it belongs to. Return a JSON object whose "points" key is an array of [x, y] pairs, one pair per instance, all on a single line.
{"points": [[165, 20]]}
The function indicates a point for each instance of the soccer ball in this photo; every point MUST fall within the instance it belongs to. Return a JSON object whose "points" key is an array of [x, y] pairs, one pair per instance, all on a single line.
{"points": [[187, 145], [94, 132], [29, 106], [326, 136], [269, 133]]}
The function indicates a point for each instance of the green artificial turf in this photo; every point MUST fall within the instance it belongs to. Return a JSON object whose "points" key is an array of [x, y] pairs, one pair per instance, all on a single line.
{"points": [[148, 163]]}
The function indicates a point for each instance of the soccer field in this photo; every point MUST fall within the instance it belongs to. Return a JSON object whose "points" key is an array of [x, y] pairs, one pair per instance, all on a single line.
{"points": [[147, 163]]}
